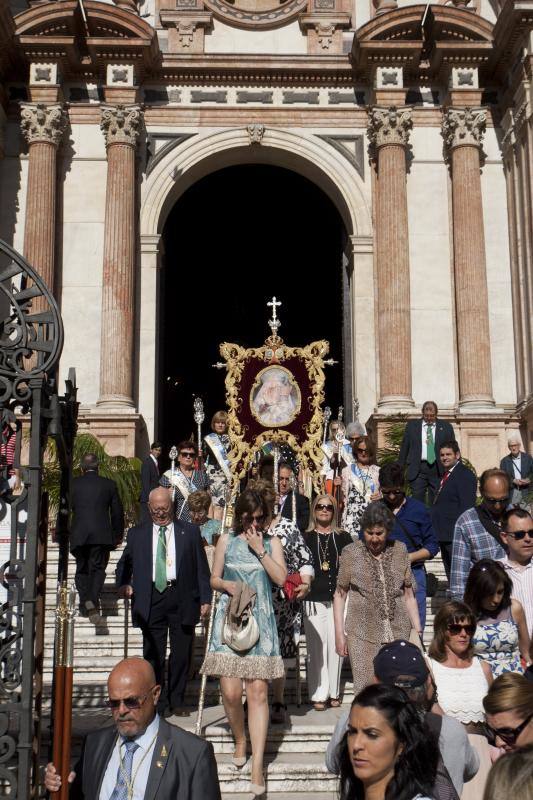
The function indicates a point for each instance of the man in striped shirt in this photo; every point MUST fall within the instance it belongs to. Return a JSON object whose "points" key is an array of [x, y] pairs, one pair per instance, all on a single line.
{"points": [[477, 532], [517, 533]]}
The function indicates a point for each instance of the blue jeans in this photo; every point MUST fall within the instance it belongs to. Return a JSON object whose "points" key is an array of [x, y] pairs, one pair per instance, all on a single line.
{"points": [[420, 594]]}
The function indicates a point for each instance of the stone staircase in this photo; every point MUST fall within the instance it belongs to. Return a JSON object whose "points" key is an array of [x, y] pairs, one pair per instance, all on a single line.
{"points": [[295, 751]]}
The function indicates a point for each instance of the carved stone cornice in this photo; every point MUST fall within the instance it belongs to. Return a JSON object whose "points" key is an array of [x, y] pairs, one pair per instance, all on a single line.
{"points": [[43, 123], [121, 124], [389, 126], [464, 127]]}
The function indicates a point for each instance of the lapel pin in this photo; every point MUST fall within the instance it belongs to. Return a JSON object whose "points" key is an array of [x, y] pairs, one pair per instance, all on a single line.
{"points": [[164, 752], [159, 764]]}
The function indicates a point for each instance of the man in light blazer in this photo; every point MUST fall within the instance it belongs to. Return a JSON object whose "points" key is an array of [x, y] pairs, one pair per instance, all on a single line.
{"points": [[456, 493], [140, 752], [519, 467], [164, 569], [419, 452]]}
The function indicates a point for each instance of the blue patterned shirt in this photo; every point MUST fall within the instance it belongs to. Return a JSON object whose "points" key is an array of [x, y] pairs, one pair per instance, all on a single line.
{"points": [[471, 543]]}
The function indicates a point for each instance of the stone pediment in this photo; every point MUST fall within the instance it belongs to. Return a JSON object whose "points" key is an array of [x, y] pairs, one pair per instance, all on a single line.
{"points": [[423, 38], [84, 40]]}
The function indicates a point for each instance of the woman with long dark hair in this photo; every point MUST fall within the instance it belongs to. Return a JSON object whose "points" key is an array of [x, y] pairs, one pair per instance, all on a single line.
{"points": [[387, 752]]}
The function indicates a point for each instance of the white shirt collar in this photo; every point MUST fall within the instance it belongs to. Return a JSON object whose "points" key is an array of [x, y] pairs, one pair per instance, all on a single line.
{"points": [[154, 459], [145, 739], [507, 564]]}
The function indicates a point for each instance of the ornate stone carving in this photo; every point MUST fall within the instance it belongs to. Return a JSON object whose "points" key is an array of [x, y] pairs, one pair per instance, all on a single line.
{"points": [[464, 126], [324, 32], [186, 33], [256, 131], [121, 124], [42, 123], [389, 126]]}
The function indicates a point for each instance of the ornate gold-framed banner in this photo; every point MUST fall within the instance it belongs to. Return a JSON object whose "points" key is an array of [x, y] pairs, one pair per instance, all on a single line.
{"points": [[274, 393]]}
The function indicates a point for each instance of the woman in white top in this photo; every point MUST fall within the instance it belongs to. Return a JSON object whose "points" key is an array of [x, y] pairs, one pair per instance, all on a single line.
{"points": [[462, 681], [387, 753]]}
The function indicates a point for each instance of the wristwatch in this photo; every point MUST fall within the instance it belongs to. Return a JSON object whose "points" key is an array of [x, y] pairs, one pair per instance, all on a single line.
{"points": [[261, 556]]}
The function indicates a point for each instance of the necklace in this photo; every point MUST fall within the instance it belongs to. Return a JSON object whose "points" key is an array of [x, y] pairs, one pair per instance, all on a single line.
{"points": [[323, 552], [130, 784]]}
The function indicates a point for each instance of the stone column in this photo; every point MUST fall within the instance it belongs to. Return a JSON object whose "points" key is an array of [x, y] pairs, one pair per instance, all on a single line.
{"points": [[121, 129], [463, 130], [43, 126], [388, 132]]}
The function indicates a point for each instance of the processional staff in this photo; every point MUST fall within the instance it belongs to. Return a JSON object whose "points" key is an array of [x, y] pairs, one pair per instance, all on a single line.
{"points": [[199, 417], [327, 417], [63, 679], [173, 454]]}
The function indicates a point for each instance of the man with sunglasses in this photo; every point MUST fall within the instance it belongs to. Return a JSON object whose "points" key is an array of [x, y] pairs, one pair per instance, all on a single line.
{"points": [[164, 569], [478, 532], [141, 755], [517, 535]]}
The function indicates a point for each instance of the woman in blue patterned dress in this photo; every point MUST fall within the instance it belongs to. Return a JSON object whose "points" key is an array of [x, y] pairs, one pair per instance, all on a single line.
{"points": [[501, 638], [248, 555]]}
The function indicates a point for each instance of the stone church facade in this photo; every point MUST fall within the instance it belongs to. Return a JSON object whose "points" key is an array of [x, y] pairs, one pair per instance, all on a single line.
{"points": [[416, 120]]}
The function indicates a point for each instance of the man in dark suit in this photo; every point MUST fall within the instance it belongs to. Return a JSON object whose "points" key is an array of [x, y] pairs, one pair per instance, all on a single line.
{"points": [[420, 446], [164, 569], [519, 467], [456, 494], [97, 528], [286, 478], [141, 755], [149, 479]]}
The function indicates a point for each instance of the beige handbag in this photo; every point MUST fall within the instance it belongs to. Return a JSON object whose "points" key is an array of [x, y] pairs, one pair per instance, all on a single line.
{"points": [[240, 630]]}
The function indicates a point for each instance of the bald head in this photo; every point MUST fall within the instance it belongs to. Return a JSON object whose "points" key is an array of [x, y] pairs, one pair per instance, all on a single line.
{"points": [[136, 671], [133, 689], [160, 505]]}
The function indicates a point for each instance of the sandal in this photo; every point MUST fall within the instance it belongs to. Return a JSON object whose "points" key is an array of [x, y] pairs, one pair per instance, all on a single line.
{"points": [[320, 706], [335, 702]]}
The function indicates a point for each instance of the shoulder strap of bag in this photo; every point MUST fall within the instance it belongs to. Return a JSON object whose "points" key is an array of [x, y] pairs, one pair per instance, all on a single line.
{"points": [[489, 526]]}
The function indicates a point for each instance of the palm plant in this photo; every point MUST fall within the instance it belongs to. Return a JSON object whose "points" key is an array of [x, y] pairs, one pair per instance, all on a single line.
{"points": [[126, 472]]}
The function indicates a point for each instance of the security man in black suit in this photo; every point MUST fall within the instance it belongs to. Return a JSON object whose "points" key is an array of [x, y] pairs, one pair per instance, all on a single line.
{"points": [[286, 476], [419, 451], [149, 479], [456, 494], [97, 528], [164, 569]]}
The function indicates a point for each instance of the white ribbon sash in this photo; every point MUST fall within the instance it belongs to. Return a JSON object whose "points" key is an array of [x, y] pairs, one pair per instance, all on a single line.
{"points": [[361, 484], [179, 480], [214, 443]]}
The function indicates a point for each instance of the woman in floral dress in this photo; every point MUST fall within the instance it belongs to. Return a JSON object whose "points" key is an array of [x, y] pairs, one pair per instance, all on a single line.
{"points": [[360, 485], [217, 465]]}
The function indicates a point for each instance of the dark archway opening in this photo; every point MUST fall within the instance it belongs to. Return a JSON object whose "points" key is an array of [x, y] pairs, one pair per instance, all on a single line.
{"points": [[234, 239]]}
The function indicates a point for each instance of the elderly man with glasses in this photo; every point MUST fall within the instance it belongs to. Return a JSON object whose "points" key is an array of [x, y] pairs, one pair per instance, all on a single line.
{"points": [[141, 755], [478, 531]]}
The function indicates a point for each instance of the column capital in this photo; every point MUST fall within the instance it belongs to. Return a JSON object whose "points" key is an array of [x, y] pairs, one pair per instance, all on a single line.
{"points": [[464, 126], [121, 124], [389, 126], [43, 123]]}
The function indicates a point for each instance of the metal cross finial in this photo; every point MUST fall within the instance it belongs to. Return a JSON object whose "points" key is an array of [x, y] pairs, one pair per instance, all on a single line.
{"points": [[274, 323]]}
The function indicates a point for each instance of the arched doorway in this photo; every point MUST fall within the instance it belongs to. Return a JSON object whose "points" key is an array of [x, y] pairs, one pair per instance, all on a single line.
{"points": [[232, 240]]}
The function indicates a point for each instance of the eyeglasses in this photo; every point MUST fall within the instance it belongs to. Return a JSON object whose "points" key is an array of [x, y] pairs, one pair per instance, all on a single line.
{"points": [[129, 702], [387, 492], [362, 450], [323, 507], [519, 535], [509, 735], [496, 501], [455, 630], [255, 518], [187, 454]]}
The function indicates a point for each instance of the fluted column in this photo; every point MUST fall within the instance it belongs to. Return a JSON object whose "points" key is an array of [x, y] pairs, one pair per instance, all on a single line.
{"points": [[121, 128], [388, 132], [43, 127], [463, 130]]}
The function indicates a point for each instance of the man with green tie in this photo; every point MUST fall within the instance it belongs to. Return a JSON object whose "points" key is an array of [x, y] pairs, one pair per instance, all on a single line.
{"points": [[419, 451], [164, 570]]}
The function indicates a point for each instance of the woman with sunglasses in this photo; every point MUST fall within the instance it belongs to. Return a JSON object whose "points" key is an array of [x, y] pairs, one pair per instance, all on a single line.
{"points": [[326, 542], [247, 555], [360, 484], [375, 578], [462, 681], [509, 712], [501, 638], [185, 479]]}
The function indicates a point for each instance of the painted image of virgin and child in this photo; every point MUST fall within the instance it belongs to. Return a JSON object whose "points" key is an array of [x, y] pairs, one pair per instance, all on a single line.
{"points": [[276, 398]]}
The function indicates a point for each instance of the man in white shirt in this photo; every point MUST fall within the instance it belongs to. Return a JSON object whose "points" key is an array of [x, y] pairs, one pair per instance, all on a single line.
{"points": [[519, 467], [141, 756], [517, 533]]}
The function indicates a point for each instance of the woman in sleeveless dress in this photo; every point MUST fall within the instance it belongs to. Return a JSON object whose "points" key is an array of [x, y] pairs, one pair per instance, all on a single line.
{"points": [[360, 485], [249, 556], [501, 638], [462, 681]]}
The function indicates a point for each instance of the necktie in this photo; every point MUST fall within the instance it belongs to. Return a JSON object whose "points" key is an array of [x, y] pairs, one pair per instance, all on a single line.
{"points": [[123, 784], [444, 479], [430, 442], [161, 560]]}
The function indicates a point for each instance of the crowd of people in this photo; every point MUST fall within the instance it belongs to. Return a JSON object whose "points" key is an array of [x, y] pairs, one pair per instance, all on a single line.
{"points": [[349, 568]]}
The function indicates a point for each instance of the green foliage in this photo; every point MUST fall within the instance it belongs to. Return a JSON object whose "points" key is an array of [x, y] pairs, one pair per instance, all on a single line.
{"points": [[126, 472]]}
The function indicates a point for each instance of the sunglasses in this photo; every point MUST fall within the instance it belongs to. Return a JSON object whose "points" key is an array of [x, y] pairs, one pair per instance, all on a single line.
{"points": [[187, 454], [129, 702], [388, 492], [519, 535], [455, 629], [259, 518], [495, 501], [323, 507], [508, 735], [362, 450]]}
